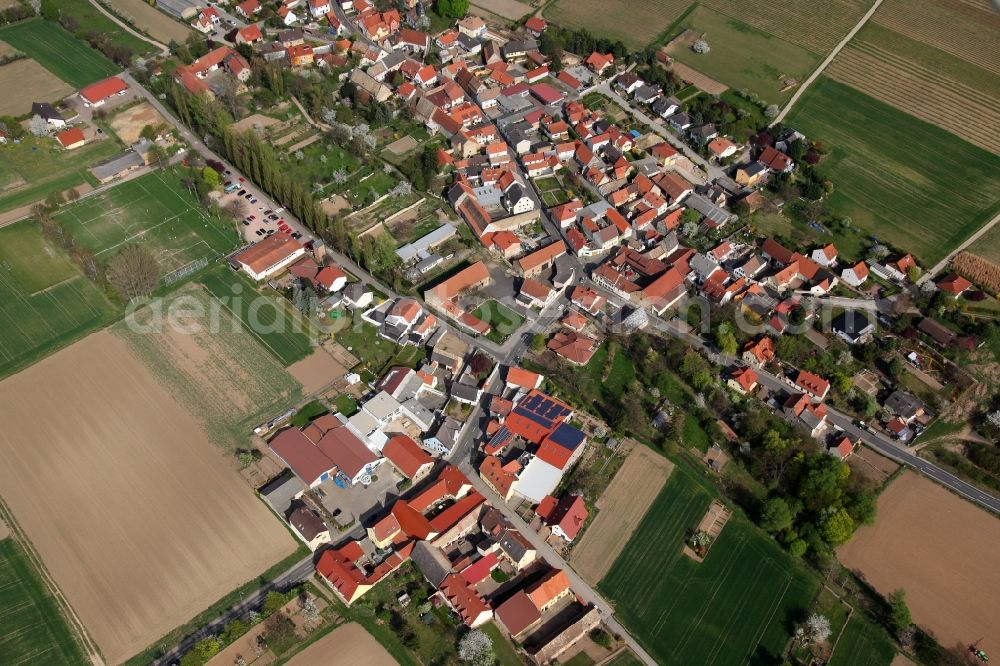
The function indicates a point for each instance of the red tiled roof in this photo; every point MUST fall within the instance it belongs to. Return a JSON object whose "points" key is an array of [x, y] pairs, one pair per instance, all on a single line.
{"points": [[745, 377], [454, 513], [469, 605], [953, 284], [481, 568], [536, 24], [550, 587], [569, 514], [573, 346], [568, 79], [96, 92], [812, 383], [518, 613], [70, 137], [523, 378], [406, 455], [268, 252], [491, 470]]}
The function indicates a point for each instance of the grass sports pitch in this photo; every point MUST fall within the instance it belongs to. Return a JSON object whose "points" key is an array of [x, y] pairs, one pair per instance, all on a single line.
{"points": [[32, 628], [59, 52], [47, 302], [734, 607], [154, 210]]}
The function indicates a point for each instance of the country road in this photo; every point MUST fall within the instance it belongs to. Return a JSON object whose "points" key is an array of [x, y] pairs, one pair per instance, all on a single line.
{"points": [[941, 265], [164, 51]]}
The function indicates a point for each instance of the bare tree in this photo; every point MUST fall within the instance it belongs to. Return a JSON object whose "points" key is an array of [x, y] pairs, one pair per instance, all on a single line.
{"points": [[38, 126], [133, 272]]}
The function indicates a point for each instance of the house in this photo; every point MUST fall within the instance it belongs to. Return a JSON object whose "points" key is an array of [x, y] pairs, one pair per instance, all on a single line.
{"points": [[251, 34], [569, 80], [750, 175], [703, 133], [854, 326], [287, 16], [518, 615], [319, 8], [325, 449], [358, 296], [811, 416], [501, 479], [899, 429], [465, 601], [598, 63], [96, 94], [351, 572], [536, 25], [842, 448], [855, 275], [269, 256], [666, 106], [825, 256], [566, 517], [954, 285], [905, 405], [535, 262], [300, 54], [406, 455], [534, 294], [938, 332], [309, 527], [46, 111], [71, 138], [473, 26], [207, 21], [721, 148], [812, 384], [549, 589], [574, 347], [248, 9], [413, 41], [516, 549], [742, 380], [775, 160]]}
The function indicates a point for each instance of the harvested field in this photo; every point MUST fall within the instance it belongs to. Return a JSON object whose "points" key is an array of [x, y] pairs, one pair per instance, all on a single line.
{"points": [[950, 586], [817, 27], [622, 507], [316, 371], [635, 23], [153, 524], [508, 9], [347, 645], [152, 21], [128, 124], [25, 82], [699, 80]]}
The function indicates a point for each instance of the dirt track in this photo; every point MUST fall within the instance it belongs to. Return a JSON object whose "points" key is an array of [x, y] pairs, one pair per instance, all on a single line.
{"points": [[622, 506], [347, 645], [139, 518], [940, 549]]}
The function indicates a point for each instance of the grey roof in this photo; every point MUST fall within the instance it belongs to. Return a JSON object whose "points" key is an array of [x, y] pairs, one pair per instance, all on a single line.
{"points": [[410, 251], [355, 290], [712, 213], [904, 404], [702, 265], [704, 131], [280, 492], [465, 392], [853, 324], [516, 46], [179, 8], [643, 93], [307, 522], [115, 166], [514, 544], [431, 562]]}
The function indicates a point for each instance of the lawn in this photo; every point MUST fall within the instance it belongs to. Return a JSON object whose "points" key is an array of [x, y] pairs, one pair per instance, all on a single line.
{"points": [[905, 181], [47, 302], [863, 644], [35, 167], [59, 51], [32, 628], [362, 340], [269, 317], [502, 320], [154, 210], [619, 376], [852, 243], [742, 56], [625, 658], [736, 606]]}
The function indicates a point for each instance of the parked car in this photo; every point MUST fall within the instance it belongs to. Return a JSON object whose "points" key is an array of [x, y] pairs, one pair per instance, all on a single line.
{"points": [[241, 193], [248, 196], [296, 235], [246, 223], [253, 201], [251, 217]]}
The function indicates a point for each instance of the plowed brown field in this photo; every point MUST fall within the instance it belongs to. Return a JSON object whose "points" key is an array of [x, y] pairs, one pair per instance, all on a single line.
{"points": [[137, 516]]}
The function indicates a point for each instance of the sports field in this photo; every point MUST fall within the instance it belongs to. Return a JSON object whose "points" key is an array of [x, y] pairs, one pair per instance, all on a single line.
{"points": [[742, 56], [268, 317], [47, 302], [907, 182], [59, 52], [32, 628], [154, 210], [634, 23], [735, 607], [863, 644]]}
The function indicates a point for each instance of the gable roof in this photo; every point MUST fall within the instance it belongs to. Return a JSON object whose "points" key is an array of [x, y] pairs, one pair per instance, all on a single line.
{"points": [[96, 92], [518, 613], [551, 586], [70, 137], [406, 455], [569, 514]]}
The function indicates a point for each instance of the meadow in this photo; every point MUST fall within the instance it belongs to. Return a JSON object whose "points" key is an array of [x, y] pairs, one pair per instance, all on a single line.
{"points": [[90, 19], [152, 21], [907, 182], [154, 210], [863, 644], [742, 56], [59, 51], [32, 628], [634, 23], [47, 301], [734, 607]]}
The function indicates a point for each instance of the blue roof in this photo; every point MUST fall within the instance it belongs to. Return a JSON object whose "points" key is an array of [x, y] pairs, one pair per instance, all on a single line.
{"points": [[500, 436], [542, 409], [635, 134], [567, 436]]}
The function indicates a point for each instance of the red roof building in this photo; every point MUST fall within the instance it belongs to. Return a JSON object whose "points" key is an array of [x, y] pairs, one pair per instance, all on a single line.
{"points": [[96, 93], [566, 517], [552, 587], [518, 614], [574, 347], [812, 384], [954, 284], [406, 455], [71, 138], [465, 601]]}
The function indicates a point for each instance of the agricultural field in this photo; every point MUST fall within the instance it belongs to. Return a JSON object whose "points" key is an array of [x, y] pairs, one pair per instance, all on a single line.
{"points": [[734, 607], [508, 9], [925, 201], [816, 27], [90, 19], [59, 52], [347, 645], [742, 56], [154, 210], [988, 245], [950, 590], [152, 524], [897, 70], [211, 363], [32, 627], [863, 644], [25, 81], [32, 169], [152, 21], [47, 301], [268, 317], [621, 507], [637, 24]]}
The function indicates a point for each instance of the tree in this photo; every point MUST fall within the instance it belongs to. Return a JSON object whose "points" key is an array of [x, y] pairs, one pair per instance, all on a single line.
{"points": [[899, 612], [775, 515], [725, 340], [818, 628], [148, 132], [452, 8], [475, 647], [913, 274], [210, 176], [700, 46], [38, 126], [309, 609], [771, 112], [72, 194], [838, 527], [538, 343], [133, 272]]}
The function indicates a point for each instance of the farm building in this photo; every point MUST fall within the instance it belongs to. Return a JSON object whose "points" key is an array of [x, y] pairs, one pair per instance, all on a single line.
{"points": [[268, 257], [182, 9], [97, 93], [71, 138]]}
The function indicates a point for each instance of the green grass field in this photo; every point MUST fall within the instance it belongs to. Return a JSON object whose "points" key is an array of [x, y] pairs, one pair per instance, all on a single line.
{"points": [[735, 607], [269, 317], [863, 644], [502, 320], [47, 302], [35, 167], [92, 20], [32, 628], [58, 51], [154, 210], [907, 182], [620, 374], [742, 56]]}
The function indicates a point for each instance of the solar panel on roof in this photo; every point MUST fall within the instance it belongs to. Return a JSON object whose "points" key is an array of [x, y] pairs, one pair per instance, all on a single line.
{"points": [[567, 436], [501, 435]]}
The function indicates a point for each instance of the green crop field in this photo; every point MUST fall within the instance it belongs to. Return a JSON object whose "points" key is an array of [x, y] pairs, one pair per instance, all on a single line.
{"points": [[742, 56], [635, 23], [32, 628], [58, 51], [863, 644], [907, 182], [735, 607], [154, 210], [270, 318], [47, 302], [30, 170]]}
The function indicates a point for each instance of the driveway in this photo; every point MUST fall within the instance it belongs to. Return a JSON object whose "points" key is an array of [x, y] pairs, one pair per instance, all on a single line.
{"points": [[359, 501]]}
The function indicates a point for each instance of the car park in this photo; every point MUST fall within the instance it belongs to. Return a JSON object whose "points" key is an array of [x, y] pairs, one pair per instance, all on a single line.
{"points": [[241, 193]]}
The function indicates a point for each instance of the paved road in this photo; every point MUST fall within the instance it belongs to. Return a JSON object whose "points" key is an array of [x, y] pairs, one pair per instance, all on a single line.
{"points": [[297, 573], [823, 65]]}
